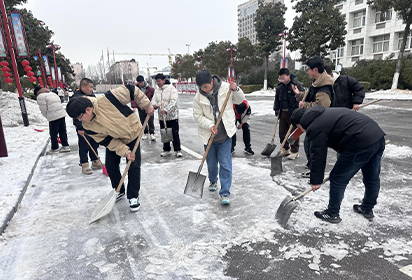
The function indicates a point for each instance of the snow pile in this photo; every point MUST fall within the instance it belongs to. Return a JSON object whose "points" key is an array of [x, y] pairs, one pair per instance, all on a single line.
{"points": [[393, 151], [398, 94]]}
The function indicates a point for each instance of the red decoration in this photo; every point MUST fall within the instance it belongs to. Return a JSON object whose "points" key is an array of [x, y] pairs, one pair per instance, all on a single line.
{"points": [[25, 62], [9, 80], [5, 69], [27, 68], [4, 63], [5, 74], [30, 74], [32, 79]]}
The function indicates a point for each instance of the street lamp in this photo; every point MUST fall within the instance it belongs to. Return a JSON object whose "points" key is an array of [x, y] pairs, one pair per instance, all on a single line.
{"points": [[54, 47], [201, 61], [188, 45], [231, 78], [283, 35]]}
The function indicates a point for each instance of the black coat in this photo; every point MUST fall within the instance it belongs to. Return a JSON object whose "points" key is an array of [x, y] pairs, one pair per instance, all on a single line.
{"points": [[348, 91], [78, 93], [285, 93], [340, 129]]}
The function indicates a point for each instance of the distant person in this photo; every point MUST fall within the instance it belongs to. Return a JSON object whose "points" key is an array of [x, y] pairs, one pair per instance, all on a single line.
{"points": [[242, 113], [320, 93], [360, 142], [207, 105], [60, 93], [149, 91], [284, 105], [51, 108], [86, 89], [112, 123], [166, 95], [349, 92]]}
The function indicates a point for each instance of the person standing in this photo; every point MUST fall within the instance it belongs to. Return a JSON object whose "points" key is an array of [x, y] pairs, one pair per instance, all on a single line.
{"points": [[207, 105], [360, 142], [284, 105], [51, 108], [349, 92], [242, 113], [166, 99], [86, 89], [112, 123], [149, 91]]}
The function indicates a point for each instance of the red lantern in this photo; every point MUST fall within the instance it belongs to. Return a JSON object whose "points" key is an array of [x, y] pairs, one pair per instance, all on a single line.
{"points": [[9, 80], [30, 74], [32, 79], [5, 69], [25, 62], [27, 68], [5, 74], [9, 74], [4, 63]]}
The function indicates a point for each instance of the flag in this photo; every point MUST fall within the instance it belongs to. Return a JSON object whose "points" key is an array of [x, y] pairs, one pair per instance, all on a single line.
{"points": [[108, 59]]}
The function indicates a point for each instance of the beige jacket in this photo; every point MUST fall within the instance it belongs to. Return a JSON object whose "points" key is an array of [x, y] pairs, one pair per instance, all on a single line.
{"points": [[320, 98]]}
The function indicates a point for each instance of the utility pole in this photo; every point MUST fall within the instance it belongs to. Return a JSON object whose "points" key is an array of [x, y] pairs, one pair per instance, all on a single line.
{"points": [[188, 45]]}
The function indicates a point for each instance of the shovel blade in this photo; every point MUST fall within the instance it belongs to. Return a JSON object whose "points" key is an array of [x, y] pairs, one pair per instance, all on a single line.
{"points": [[276, 166], [285, 210], [166, 135], [194, 185], [104, 207], [268, 150]]}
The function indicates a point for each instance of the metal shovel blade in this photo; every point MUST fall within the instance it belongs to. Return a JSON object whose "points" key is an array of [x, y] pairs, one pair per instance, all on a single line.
{"points": [[285, 210], [276, 165], [268, 150], [194, 185], [166, 135], [104, 207]]}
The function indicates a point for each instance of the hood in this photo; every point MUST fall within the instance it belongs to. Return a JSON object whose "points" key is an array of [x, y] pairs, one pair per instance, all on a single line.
{"points": [[336, 75], [323, 80], [310, 115]]}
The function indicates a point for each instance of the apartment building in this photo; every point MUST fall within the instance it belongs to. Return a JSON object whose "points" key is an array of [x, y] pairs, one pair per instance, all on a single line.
{"points": [[370, 34], [246, 13]]}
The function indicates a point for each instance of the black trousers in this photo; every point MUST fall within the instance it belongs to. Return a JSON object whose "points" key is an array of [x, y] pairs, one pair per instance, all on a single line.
{"points": [[57, 128], [284, 124], [150, 125], [112, 164], [174, 124], [246, 136], [84, 150]]}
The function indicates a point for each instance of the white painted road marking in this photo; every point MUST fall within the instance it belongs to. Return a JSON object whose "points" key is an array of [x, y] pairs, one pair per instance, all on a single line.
{"points": [[407, 270], [193, 153]]}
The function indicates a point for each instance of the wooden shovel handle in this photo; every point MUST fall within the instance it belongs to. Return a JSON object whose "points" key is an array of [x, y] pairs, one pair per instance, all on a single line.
{"points": [[129, 162], [164, 118], [276, 124], [92, 148], [369, 103], [308, 190], [216, 125]]}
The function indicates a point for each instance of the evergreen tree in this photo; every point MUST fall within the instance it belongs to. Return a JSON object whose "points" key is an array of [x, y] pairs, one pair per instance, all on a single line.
{"points": [[320, 27], [246, 57]]}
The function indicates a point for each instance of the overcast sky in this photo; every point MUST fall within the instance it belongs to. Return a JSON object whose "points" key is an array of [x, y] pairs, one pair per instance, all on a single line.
{"points": [[83, 28]]}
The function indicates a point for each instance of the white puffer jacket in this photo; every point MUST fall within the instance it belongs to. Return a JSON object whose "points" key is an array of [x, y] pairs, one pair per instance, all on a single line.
{"points": [[168, 94], [203, 112], [50, 106]]}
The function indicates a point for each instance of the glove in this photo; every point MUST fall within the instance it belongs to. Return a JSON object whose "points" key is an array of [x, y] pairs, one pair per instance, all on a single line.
{"points": [[276, 113]]}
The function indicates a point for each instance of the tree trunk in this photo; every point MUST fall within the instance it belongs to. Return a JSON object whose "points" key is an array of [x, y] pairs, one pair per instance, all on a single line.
{"points": [[265, 82], [400, 57]]}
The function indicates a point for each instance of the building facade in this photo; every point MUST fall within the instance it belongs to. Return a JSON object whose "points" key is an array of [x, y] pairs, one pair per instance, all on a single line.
{"points": [[370, 34], [246, 13], [78, 72]]}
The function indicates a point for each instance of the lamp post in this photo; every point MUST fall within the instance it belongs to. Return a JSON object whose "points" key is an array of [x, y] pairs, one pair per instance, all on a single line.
{"points": [[188, 45], [231, 78], [283, 35], [54, 47], [201, 61]]}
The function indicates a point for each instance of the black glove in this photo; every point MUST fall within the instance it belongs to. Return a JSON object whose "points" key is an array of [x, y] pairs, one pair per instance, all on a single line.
{"points": [[276, 113]]}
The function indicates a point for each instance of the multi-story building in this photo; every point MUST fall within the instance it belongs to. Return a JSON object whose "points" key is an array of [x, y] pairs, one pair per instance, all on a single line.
{"points": [[125, 70], [246, 13], [78, 72], [370, 34]]}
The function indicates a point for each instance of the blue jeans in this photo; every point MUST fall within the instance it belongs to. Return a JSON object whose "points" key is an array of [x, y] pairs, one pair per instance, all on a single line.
{"points": [[348, 164], [220, 153]]}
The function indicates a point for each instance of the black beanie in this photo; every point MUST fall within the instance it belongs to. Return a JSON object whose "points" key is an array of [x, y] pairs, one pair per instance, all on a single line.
{"points": [[297, 115], [203, 77], [240, 108], [140, 78]]}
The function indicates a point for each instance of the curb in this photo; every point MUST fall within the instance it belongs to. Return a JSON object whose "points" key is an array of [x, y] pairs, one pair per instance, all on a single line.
{"points": [[14, 209]]}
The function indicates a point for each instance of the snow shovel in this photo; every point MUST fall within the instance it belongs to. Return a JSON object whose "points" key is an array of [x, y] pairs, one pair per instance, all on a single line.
{"points": [[369, 103], [196, 181], [289, 204], [106, 205], [166, 134], [103, 167], [276, 161], [270, 147]]}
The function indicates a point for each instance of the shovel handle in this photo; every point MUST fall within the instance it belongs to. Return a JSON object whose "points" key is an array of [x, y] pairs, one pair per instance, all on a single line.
{"points": [[369, 103], [308, 190], [286, 137], [164, 118], [129, 162], [276, 124], [88, 143], [216, 125]]}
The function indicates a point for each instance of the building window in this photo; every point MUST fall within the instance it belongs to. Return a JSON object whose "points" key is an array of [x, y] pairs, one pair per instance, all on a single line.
{"points": [[381, 43], [357, 47], [379, 17], [341, 51], [408, 41], [359, 19]]}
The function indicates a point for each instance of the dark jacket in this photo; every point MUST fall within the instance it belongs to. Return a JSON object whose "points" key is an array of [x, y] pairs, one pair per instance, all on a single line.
{"points": [[78, 124], [148, 90], [348, 91], [286, 96], [340, 129]]}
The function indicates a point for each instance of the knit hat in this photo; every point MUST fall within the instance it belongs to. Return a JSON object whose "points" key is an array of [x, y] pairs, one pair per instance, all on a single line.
{"points": [[140, 78], [297, 115], [240, 108]]}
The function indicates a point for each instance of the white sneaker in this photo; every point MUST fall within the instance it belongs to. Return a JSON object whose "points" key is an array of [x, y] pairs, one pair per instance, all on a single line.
{"points": [[165, 153], [178, 154], [152, 137], [65, 149], [134, 204], [51, 151], [293, 156], [144, 137]]}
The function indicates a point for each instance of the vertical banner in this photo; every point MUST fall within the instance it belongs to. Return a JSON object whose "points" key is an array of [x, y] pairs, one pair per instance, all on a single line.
{"points": [[53, 73], [63, 78], [3, 51], [38, 73], [19, 35], [46, 64], [59, 73]]}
